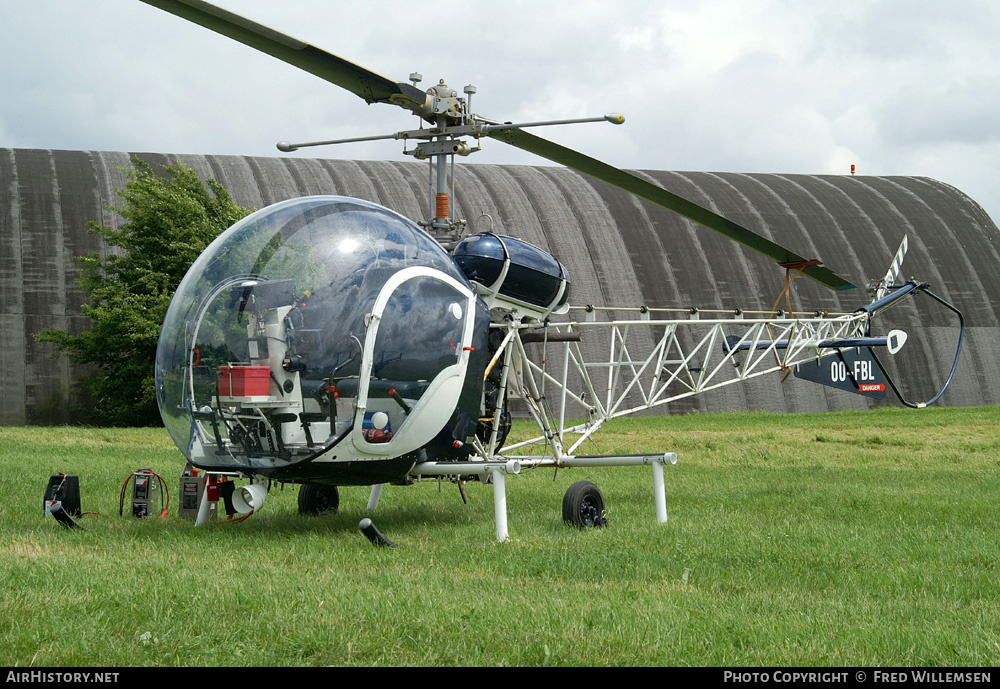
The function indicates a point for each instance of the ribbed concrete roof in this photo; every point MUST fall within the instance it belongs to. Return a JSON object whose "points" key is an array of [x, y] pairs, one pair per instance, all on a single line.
{"points": [[619, 250]]}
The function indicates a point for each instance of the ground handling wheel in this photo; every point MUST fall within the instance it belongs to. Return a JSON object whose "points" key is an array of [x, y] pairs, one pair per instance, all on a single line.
{"points": [[318, 499], [583, 505]]}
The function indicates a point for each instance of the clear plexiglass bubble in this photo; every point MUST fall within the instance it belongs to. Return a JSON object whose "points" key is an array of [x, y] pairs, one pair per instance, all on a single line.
{"points": [[261, 354]]}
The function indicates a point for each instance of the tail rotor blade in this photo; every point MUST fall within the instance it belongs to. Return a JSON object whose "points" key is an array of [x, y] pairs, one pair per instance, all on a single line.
{"points": [[892, 275]]}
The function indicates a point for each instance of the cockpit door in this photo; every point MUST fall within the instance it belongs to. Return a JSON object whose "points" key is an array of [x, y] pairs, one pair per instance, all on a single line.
{"points": [[416, 352]]}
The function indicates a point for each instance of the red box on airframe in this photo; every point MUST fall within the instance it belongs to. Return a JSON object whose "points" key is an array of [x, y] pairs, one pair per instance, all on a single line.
{"points": [[244, 381]]}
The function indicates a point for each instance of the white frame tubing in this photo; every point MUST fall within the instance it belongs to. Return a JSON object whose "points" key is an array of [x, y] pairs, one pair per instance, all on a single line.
{"points": [[764, 346]]}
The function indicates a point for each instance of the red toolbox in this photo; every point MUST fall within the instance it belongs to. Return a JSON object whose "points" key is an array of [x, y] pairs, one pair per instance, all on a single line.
{"points": [[244, 381]]}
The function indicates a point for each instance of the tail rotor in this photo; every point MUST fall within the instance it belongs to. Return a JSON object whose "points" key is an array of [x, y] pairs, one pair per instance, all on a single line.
{"points": [[881, 288]]}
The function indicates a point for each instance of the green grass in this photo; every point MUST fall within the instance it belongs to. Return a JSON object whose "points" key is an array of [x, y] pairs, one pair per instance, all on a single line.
{"points": [[862, 538]]}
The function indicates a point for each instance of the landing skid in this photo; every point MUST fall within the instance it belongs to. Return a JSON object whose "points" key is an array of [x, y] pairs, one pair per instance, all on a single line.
{"points": [[497, 471]]}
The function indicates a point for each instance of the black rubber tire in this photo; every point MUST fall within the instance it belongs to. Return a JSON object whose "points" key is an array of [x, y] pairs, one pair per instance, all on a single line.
{"points": [[317, 499], [583, 505]]}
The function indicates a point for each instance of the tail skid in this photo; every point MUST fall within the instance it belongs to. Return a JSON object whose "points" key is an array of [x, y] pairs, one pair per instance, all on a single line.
{"points": [[889, 292], [913, 287]]}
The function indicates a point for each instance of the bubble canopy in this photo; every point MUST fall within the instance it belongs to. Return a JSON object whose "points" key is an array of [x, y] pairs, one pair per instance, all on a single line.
{"points": [[316, 322]]}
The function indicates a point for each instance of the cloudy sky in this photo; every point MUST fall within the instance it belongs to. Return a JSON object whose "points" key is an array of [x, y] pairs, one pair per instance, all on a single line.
{"points": [[894, 87]]}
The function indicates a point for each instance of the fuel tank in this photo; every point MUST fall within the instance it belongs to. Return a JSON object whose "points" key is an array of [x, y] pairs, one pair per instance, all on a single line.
{"points": [[513, 274]]}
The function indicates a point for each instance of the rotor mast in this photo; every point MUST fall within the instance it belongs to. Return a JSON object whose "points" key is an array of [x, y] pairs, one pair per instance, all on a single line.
{"points": [[447, 109]]}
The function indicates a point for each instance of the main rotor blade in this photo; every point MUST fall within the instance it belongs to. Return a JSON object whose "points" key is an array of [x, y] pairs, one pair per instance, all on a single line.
{"points": [[669, 200], [373, 87]]}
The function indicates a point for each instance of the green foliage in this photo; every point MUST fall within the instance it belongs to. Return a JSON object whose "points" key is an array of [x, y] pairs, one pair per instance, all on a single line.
{"points": [[168, 221]]}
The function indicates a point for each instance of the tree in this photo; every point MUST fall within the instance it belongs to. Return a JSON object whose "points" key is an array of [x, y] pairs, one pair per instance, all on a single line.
{"points": [[169, 219]]}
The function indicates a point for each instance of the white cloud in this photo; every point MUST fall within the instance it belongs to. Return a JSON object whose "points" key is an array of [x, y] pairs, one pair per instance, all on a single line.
{"points": [[777, 86]]}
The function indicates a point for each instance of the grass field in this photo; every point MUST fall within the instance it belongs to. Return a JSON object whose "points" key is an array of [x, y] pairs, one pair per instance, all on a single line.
{"points": [[862, 538]]}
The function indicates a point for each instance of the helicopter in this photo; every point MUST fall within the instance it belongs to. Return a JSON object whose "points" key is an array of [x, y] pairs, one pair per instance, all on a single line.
{"points": [[329, 341]]}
